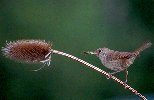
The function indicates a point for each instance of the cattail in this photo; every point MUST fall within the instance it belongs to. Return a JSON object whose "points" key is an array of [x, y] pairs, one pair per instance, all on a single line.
{"points": [[29, 51], [38, 51]]}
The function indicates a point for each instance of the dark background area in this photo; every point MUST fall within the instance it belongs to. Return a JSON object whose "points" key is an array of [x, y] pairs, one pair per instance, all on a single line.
{"points": [[74, 26]]}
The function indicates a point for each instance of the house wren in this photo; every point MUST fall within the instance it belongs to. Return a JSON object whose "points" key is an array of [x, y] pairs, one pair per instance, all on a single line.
{"points": [[116, 60]]}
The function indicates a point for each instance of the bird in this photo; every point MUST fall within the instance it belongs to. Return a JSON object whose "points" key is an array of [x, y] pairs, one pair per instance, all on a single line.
{"points": [[118, 61]]}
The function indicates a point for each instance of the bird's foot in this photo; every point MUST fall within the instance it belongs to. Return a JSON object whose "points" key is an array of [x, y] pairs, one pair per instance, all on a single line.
{"points": [[109, 76]]}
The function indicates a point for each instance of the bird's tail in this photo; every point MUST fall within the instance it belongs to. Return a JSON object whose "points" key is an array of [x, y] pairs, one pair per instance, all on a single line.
{"points": [[142, 48]]}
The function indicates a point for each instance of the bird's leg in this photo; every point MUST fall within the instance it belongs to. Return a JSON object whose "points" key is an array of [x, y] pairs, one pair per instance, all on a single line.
{"points": [[126, 77], [112, 74]]}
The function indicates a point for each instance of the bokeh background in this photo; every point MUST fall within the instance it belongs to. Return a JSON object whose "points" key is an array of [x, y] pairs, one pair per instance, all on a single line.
{"points": [[74, 26]]}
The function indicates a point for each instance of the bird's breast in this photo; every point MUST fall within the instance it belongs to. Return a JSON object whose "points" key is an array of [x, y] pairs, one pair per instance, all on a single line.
{"points": [[117, 65]]}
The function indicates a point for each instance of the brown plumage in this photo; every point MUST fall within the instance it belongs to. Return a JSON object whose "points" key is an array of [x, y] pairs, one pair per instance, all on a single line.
{"points": [[118, 61], [28, 51]]}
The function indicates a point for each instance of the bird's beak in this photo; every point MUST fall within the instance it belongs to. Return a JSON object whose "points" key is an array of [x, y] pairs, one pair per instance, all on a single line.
{"points": [[89, 52]]}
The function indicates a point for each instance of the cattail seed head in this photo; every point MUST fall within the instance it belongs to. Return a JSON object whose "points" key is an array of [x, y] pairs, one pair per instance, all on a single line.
{"points": [[28, 51]]}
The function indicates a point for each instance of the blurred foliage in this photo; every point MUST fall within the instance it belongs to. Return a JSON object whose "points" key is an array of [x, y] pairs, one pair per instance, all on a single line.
{"points": [[74, 26]]}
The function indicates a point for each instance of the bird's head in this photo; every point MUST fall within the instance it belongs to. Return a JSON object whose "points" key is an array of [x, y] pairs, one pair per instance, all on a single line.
{"points": [[98, 51]]}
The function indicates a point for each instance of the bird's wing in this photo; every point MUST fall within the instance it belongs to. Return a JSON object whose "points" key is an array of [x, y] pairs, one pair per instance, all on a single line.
{"points": [[122, 55]]}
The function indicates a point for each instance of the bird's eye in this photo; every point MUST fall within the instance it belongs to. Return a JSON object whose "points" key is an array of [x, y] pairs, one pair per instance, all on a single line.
{"points": [[99, 50]]}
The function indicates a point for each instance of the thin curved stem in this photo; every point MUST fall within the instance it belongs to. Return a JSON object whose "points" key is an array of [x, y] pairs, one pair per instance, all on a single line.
{"points": [[126, 86]]}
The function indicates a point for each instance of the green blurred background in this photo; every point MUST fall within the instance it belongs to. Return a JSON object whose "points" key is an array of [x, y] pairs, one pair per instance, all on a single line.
{"points": [[74, 26]]}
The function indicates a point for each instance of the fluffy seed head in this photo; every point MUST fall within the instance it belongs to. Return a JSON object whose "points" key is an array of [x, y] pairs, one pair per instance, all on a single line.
{"points": [[28, 51]]}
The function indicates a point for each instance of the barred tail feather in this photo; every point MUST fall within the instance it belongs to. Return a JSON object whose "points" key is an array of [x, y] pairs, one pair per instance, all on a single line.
{"points": [[142, 48]]}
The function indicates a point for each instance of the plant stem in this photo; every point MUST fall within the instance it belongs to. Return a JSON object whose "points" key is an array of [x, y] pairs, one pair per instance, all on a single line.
{"points": [[126, 86]]}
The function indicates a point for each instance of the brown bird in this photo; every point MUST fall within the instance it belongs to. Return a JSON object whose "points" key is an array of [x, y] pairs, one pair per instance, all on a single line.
{"points": [[118, 61]]}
